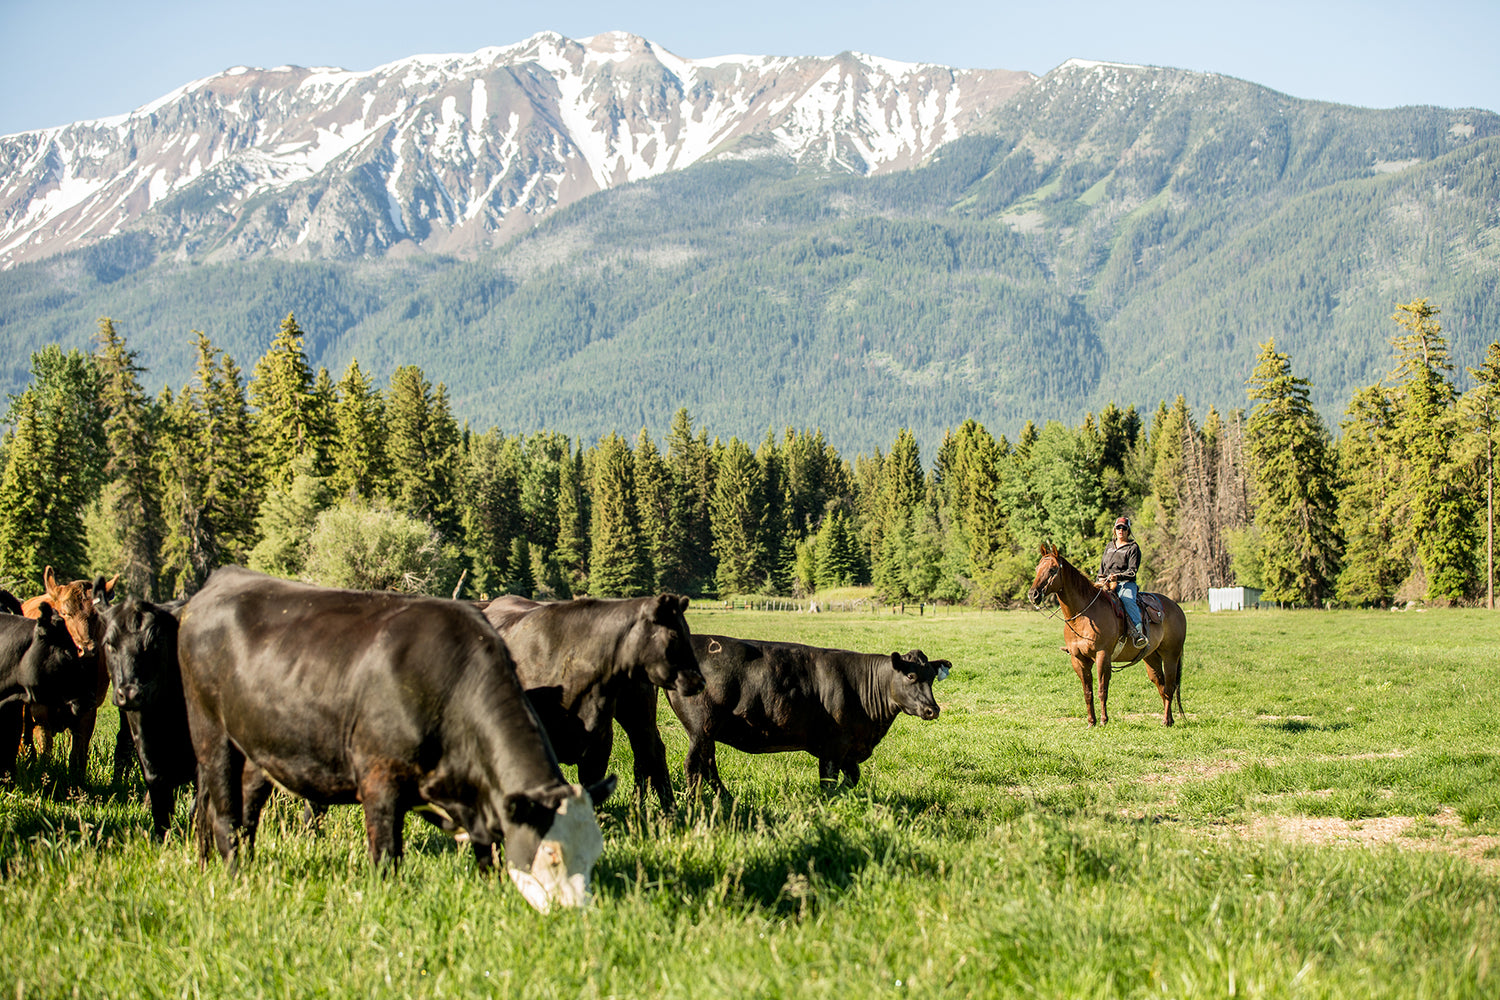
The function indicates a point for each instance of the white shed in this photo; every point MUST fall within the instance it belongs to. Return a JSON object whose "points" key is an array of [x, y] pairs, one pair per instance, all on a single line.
{"points": [[1233, 598]]}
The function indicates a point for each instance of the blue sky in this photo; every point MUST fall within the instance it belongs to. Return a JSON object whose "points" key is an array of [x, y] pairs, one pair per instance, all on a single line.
{"points": [[67, 60]]}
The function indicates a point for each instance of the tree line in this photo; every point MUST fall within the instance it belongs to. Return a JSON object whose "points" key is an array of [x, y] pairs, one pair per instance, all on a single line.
{"points": [[348, 483]]}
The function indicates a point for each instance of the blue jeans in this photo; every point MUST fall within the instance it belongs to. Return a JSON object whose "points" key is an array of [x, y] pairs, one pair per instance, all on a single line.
{"points": [[1127, 591]]}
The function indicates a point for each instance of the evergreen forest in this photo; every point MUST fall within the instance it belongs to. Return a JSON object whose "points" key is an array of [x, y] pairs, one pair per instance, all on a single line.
{"points": [[352, 481]]}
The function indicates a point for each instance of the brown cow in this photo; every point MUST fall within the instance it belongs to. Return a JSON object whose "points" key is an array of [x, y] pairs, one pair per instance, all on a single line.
{"points": [[74, 602]]}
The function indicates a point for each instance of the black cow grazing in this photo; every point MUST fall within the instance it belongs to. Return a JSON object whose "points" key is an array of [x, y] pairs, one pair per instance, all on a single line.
{"points": [[768, 697], [39, 666], [390, 700], [140, 644], [587, 662]]}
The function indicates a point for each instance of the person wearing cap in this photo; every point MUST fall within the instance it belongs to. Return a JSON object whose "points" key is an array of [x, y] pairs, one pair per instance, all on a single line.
{"points": [[1121, 561]]}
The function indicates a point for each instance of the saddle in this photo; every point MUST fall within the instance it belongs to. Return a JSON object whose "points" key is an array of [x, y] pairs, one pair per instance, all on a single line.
{"points": [[1151, 614]]}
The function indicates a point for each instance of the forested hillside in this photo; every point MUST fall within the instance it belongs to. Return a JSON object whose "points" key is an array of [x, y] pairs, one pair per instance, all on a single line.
{"points": [[1116, 234]]}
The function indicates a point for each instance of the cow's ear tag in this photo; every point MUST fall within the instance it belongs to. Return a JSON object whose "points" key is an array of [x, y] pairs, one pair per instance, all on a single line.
{"points": [[942, 673]]}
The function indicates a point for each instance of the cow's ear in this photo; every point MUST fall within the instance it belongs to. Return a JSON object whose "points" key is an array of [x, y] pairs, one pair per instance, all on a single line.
{"points": [[601, 790], [942, 667], [682, 604], [522, 809]]}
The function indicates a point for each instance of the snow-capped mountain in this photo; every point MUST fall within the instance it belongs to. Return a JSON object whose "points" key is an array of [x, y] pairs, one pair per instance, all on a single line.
{"points": [[449, 153]]}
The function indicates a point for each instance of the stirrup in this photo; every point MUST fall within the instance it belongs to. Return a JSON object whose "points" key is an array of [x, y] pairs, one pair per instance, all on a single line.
{"points": [[1138, 636]]}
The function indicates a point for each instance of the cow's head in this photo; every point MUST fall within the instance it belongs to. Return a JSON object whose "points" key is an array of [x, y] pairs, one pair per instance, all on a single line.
{"points": [[50, 671], [140, 643], [660, 641], [75, 603], [1048, 574], [912, 677], [552, 841]]}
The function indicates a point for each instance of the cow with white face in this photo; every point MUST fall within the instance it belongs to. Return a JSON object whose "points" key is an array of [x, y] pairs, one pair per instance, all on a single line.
{"points": [[393, 701]]}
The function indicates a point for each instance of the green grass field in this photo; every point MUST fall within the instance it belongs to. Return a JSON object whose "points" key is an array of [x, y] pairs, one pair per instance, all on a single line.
{"points": [[1323, 823]]}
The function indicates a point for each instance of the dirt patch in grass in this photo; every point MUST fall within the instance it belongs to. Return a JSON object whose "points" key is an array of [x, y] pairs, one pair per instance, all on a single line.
{"points": [[1443, 832]]}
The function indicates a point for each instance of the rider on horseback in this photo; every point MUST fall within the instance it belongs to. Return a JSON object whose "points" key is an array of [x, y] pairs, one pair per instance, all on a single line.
{"points": [[1121, 561]]}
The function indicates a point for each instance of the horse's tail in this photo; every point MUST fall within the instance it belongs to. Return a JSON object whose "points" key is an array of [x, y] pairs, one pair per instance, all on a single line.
{"points": [[1181, 663]]}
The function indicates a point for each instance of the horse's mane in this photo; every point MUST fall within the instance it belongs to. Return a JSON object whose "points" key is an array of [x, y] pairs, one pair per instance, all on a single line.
{"points": [[1078, 578]]}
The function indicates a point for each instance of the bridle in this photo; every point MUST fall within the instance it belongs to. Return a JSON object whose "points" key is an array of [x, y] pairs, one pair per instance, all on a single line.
{"points": [[1054, 615]]}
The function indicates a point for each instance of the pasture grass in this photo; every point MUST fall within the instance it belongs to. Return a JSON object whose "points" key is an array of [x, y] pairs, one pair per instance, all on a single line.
{"points": [[1324, 823]]}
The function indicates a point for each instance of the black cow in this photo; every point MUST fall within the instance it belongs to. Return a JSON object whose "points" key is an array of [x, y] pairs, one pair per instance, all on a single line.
{"points": [[587, 662], [140, 645], [768, 697], [390, 700], [39, 665]]}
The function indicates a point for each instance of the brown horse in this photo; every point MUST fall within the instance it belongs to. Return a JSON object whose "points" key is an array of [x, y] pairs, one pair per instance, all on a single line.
{"points": [[1092, 632]]}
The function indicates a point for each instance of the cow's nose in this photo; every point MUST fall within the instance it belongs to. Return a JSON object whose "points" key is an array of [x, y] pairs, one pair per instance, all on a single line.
{"points": [[930, 712]]}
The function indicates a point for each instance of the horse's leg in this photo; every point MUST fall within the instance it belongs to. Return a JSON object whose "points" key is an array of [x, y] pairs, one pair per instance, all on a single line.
{"points": [[1158, 668], [1101, 661], [1084, 668]]}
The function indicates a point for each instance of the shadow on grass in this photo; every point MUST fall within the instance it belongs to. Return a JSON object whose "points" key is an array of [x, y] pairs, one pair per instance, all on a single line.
{"points": [[1303, 726]]}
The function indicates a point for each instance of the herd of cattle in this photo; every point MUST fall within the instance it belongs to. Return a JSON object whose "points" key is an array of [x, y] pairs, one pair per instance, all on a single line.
{"points": [[461, 711]]}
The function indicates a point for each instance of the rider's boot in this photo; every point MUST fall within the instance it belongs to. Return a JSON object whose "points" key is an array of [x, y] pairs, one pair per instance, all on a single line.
{"points": [[1138, 636]]}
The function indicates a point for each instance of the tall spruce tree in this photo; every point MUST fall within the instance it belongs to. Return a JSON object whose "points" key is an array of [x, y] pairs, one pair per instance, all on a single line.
{"points": [[210, 488], [492, 510], [618, 563], [1293, 468], [738, 515], [573, 513], [1376, 557], [25, 528], [1483, 409], [288, 420], [360, 465], [132, 501], [423, 451], [653, 493], [1439, 508], [689, 567], [62, 459]]}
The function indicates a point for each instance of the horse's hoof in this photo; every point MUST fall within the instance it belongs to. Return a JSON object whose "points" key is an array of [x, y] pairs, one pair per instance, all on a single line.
{"points": [[1169, 721]]}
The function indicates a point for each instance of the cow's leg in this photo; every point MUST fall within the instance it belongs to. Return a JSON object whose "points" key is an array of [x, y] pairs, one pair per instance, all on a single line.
{"points": [[851, 772], [828, 774], [701, 764], [381, 799], [125, 754], [636, 712], [162, 793], [221, 770], [593, 763], [1084, 668], [10, 736], [78, 754], [1101, 662], [255, 789]]}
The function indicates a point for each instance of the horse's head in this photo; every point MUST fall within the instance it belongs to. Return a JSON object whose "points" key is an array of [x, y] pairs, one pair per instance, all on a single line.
{"points": [[1048, 573]]}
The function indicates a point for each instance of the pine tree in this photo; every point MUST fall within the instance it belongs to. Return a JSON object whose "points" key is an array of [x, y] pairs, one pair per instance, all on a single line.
{"points": [[492, 510], [210, 492], [132, 504], [422, 447], [573, 513], [689, 567], [902, 493], [1294, 477], [738, 515], [1483, 406], [287, 418], [618, 565], [360, 466], [25, 532], [1369, 510], [63, 446], [1438, 506], [653, 493]]}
